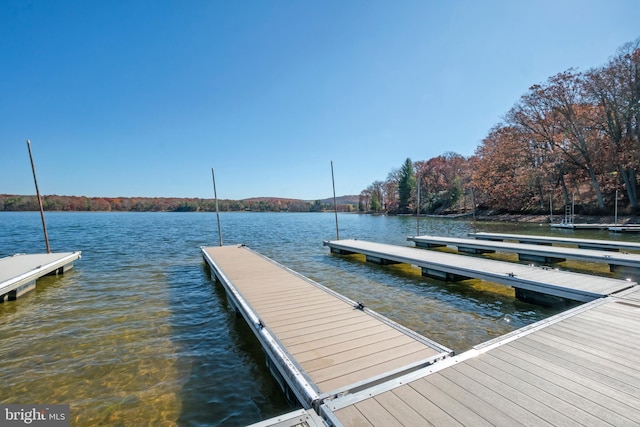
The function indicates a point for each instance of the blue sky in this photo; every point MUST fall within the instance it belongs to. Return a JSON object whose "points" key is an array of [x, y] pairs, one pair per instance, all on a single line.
{"points": [[143, 98]]}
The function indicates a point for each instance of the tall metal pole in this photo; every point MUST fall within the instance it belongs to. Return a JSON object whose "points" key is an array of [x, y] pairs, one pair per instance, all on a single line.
{"points": [[418, 210], [335, 204], [215, 194], [35, 180], [616, 211], [473, 200]]}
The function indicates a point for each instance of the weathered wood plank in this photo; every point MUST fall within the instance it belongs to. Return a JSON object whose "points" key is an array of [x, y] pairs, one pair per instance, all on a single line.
{"points": [[454, 408], [484, 409], [345, 343], [426, 408], [351, 326], [571, 352], [571, 397], [335, 312], [597, 384], [504, 398], [400, 410], [593, 347], [537, 400], [346, 353], [377, 413], [299, 307], [370, 359], [319, 321], [333, 379], [352, 417]]}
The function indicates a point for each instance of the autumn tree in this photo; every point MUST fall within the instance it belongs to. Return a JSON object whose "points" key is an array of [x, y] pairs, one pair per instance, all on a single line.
{"points": [[576, 133], [390, 191], [441, 181], [364, 200], [616, 88], [502, 171]]}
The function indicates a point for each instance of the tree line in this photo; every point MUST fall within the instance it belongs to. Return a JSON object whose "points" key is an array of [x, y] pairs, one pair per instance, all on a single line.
{"points": [[165, 204], [572, 139]]}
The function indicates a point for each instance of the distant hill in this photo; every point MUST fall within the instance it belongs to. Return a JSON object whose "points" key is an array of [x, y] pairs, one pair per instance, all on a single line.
{"points": [[341, 200], [13, 202]]}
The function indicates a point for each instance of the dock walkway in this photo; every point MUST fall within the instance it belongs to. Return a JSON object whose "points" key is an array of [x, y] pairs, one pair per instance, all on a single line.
{"points": [[605, 245], [610, 227], [318, 343], [529, 281], [581, 367], [19, 273], [535, 253]]}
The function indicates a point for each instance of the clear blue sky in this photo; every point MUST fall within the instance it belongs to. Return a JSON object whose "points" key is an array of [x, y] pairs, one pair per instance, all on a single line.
{"points": [[143, 98]]}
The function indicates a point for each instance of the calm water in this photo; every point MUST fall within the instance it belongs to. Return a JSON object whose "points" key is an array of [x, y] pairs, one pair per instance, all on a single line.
{"points": [[139, 334]]}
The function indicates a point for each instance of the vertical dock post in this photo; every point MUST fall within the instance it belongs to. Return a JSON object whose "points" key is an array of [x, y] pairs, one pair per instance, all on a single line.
{"points": [[418, 208], [35, 180], [335, 204], [473, 201], [215, 195]]}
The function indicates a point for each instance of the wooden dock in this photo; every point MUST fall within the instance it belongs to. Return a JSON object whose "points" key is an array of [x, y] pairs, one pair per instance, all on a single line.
{"points": [[610, 227], [581, 367], [318, 343], [635, 228], [605, 245], [532, 284], [534, 253], [19, 273]]}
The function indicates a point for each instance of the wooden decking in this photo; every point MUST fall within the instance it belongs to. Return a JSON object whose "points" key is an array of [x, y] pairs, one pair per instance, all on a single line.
{"points": [[610, 227], [18, 273], [318, 342], [543, 280], [581, 367], [536, 253], [606, 245]]}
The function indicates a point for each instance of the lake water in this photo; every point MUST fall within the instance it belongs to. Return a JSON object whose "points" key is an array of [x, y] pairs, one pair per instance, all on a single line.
{"points": [[139, 334]]}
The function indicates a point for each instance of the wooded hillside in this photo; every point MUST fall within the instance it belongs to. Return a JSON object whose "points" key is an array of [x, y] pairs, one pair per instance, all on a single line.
{"points": [[575, 137], [168, 204]]}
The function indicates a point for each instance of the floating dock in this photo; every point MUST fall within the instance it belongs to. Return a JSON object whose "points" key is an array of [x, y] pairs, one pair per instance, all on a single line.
{"points": [[532, 284], [318, 343], [625, 228], [534, 253], [580, 367], [604, 245], [19, 273], [610, 227]]}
